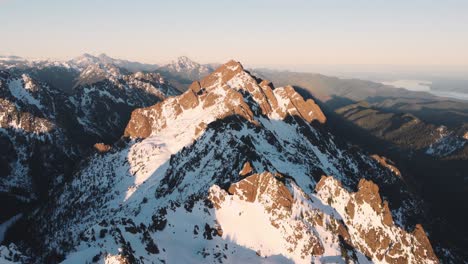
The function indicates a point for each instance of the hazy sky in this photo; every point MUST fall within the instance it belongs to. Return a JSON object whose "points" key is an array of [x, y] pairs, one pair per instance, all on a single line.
{"points": [[406, 32]]}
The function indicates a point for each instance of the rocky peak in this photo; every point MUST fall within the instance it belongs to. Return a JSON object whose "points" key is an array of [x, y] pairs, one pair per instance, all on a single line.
{"points": [[229, 90], [246, 169]]}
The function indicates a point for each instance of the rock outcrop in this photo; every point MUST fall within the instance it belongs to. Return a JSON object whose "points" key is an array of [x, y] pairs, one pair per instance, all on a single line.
{"points": [[101, 147], [387, 163]]}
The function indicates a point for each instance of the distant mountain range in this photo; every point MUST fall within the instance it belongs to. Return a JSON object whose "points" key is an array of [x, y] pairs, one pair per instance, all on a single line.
{"points": [[88, 69]]}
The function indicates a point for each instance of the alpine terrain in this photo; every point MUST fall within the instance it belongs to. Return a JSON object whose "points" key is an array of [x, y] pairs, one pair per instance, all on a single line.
{"points": [[233, 170]]}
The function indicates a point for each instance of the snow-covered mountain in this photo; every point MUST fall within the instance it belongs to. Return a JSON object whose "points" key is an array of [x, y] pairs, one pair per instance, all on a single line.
{"points": [[182, 71], [33, 140], [187, 67], [233, 170]]}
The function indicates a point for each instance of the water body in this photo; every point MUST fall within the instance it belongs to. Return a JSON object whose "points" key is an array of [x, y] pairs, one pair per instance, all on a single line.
{"points": [[425, 86], [412, 85]]}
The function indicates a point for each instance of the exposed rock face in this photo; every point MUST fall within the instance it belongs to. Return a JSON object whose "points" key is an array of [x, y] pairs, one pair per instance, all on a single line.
{"points": [[259, 185], [387, 163], [246, 169], [371, 227], [101, 147], [308, 110]]}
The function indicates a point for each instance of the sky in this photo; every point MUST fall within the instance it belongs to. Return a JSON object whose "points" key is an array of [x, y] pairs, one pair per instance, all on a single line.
{"points": [[256, 32]]}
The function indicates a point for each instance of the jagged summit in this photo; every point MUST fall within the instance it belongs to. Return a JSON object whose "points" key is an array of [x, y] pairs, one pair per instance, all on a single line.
{"points": [[229, 90]]}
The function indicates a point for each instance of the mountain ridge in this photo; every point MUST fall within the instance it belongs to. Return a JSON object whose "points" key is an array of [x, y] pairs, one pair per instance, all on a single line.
{"points": [[166, 178], [218, 145]]}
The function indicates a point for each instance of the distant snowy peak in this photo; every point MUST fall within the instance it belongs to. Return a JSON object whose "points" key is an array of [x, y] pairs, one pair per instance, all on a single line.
{"points": [[185, 64], [87, 60], [187, 68]]}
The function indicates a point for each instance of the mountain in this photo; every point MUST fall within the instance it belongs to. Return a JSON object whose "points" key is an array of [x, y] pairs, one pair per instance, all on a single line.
{"points": [[232, 170], [186, 67], [36, 149], [104, 160]]}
